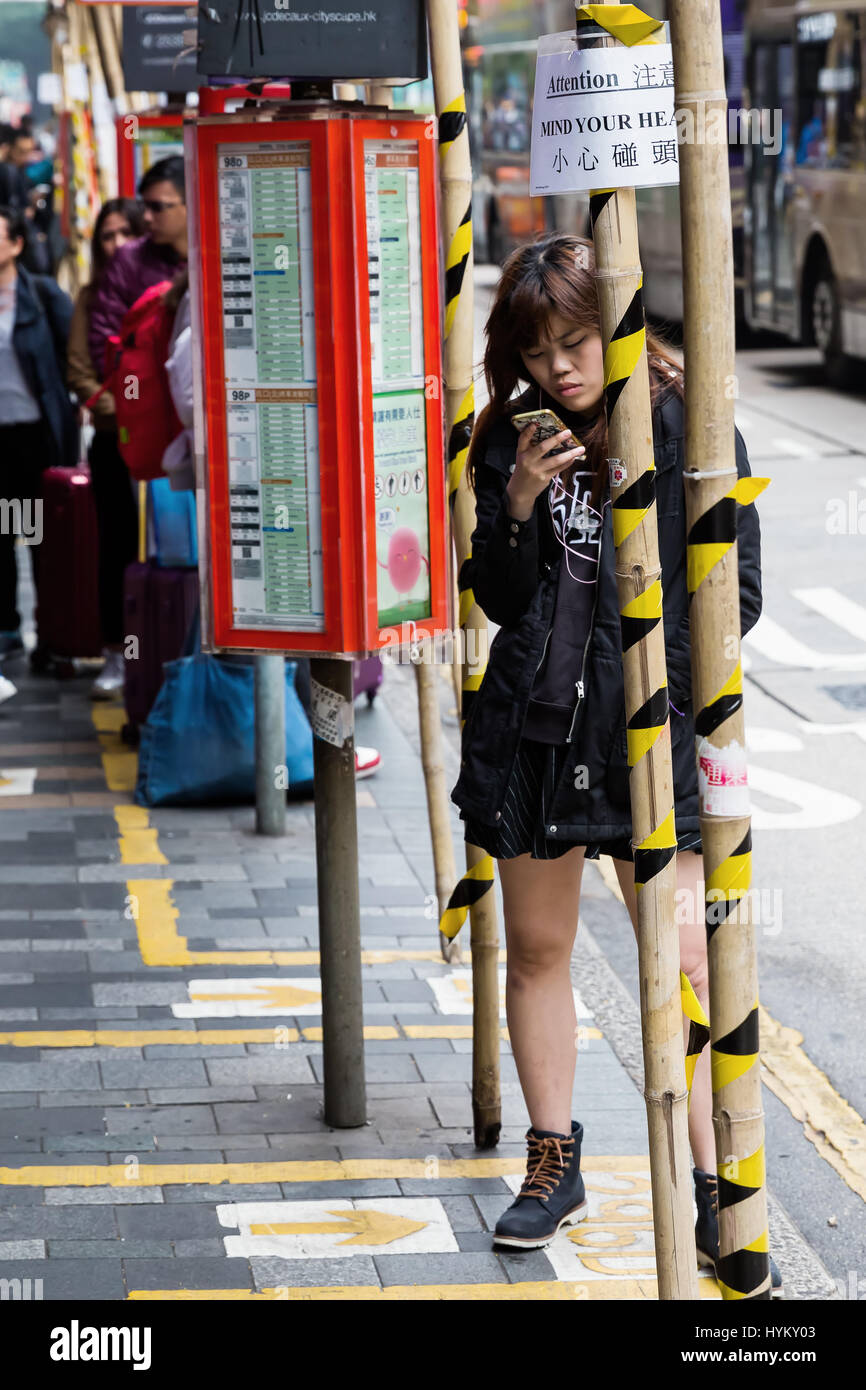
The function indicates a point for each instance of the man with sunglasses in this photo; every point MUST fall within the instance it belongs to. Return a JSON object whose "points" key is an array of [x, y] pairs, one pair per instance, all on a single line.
{"points": [[147, 260]]}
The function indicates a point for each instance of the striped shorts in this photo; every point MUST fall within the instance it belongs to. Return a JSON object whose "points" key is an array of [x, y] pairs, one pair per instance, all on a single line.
{"points": [[522, 827]]}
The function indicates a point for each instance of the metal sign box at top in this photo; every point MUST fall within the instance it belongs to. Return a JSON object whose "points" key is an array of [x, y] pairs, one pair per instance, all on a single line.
{"points": [[348, 41]]}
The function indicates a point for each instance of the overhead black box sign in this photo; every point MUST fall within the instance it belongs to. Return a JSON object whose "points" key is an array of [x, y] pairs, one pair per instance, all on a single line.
{"points": [[152, 40], [341, 40]]}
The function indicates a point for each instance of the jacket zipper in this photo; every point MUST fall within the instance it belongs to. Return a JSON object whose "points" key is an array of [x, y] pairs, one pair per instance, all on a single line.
{"points": [[580, 685]]}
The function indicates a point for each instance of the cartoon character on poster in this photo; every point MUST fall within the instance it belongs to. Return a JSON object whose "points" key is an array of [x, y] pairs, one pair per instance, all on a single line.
{"points": [[404, 562], [402, 524]]}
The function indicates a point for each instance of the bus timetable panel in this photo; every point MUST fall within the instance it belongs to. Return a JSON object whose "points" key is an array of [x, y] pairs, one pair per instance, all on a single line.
{"points": [[315, 270]]}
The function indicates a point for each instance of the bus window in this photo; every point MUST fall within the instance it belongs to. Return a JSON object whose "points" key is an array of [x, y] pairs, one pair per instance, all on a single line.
{"points": [[830, 97]]}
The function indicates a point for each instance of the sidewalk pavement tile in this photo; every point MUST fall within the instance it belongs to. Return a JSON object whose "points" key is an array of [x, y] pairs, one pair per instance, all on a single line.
{"points": [[475, 1268], [222, 1273], [71, 1280], [270, 1272], [70, 963]]}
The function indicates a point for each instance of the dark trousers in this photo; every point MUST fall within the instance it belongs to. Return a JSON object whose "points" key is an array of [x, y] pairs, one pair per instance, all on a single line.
{"points": [[22, 458], [117, 520]]}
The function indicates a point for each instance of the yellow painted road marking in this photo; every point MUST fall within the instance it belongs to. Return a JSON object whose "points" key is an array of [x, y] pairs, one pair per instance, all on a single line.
{"points": [[594, 1290], [160, 943], [138, 842], [153, 1037], [361, 1227], [464, 1030], [322, 1170], [119, 763], [273, 996], [829, 1122], [207, 1037], [156, 917]]}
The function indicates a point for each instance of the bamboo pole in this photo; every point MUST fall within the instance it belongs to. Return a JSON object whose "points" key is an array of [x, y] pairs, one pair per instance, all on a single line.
{"points": [[456, 658], [613, 214], [430, 729], [474, 891], [712, 496], [109, 52], [445, 868]]}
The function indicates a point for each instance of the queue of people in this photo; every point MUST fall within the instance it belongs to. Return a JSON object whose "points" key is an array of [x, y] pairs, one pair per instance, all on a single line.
{"points": [[54, 362]]}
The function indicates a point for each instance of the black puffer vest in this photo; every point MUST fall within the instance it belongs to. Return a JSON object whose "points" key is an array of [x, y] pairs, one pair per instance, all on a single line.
{"points": [[515, 585]]}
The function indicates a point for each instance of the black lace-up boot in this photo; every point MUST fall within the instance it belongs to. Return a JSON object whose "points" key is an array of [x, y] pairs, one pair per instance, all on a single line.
{"points": [[552, 1194], [707, 1227]]}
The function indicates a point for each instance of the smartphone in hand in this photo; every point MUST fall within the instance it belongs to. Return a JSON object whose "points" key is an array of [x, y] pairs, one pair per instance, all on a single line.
{"points": [[547, 423]]}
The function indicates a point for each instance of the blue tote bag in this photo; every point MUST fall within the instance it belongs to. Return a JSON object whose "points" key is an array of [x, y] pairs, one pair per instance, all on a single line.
{"points": [[198, 745]]}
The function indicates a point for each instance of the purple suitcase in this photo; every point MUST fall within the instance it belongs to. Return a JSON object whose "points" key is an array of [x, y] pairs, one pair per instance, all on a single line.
{"points": [[159, 606], [367, 677], [68, 617]]}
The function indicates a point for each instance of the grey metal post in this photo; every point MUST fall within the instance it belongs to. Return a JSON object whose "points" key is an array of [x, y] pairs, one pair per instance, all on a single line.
{"points": [[338, 896], [270, 714]]}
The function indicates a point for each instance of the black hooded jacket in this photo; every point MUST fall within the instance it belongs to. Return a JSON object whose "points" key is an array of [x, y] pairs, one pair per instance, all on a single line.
{"points": [[515, 585]]}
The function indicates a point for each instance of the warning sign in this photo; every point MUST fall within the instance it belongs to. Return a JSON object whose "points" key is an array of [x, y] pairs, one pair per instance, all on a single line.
{"points": [[602, 117]]}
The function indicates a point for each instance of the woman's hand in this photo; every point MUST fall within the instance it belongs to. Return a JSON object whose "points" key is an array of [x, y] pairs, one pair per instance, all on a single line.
{"points": [[534, 469]]}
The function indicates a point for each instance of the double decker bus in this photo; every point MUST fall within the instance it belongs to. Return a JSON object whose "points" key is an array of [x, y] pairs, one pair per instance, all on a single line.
{"points": [[499, 48], [805, 265]]}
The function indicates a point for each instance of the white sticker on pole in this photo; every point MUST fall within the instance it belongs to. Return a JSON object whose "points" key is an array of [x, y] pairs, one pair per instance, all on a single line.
{"points": [[602, 117], [77, 85], [331, 715], [723, 781]]}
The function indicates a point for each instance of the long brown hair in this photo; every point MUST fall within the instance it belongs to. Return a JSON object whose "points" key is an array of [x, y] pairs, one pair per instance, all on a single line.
{"points": [[554, 273], [128, 208]]}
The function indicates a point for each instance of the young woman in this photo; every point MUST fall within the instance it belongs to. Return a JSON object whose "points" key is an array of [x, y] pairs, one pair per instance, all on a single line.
{"points": [[119, 220], [544, 773]]}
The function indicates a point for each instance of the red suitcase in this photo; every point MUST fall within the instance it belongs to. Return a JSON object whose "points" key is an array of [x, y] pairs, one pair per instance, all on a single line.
{"points": [[367, 677], [68, 598]]}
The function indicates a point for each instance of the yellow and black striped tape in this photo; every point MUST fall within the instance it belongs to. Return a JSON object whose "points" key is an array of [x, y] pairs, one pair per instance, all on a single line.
{"points": [[646, 724], [734, 1054], [452, 123], [742, 1273], [473, 885], [458, 442], [458, 452], [632, 504], [726, 701], [712, 535], [623, 351], [731, 879], [598, 201], [641, 614], [655, 852], [625, 22], [699, 1028], [455, 266], [452, 120]]}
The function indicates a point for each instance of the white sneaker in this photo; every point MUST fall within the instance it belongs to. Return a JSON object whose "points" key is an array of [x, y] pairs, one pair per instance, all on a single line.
{"points": [[109, 682], [7, 689], [367, 762]]}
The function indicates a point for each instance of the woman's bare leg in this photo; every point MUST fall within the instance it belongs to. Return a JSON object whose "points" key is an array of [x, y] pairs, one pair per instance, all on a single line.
{"points": [[693, 961], [541, 898]]}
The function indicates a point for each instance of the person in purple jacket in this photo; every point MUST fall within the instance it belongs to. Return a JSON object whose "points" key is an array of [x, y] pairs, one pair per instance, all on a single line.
{"points": [[147, 260]]}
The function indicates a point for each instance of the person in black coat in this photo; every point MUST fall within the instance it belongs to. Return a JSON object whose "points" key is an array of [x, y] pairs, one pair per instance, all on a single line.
{"points": [[38, 427], [544, 780]]}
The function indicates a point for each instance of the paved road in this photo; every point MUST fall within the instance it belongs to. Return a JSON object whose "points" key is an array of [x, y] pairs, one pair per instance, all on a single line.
{"points": [[806, 716]]}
